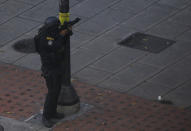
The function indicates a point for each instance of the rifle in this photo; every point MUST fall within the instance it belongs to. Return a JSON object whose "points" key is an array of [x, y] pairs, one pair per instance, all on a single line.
{"points": [[66, 25]]}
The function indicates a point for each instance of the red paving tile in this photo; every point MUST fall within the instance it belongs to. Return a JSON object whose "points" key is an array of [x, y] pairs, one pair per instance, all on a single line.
{"points": [[22, 94], [116, 111]]}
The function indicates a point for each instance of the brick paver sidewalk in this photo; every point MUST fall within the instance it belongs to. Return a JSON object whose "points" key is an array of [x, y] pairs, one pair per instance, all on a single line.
{"points": [[22, 94]]}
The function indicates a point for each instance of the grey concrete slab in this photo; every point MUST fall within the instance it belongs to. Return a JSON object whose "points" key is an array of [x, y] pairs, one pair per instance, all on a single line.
{"points": [[31, 61], [2, 1], [8, 54], [15, 28], [108, 41], [149, 17], [82, 58], [120, 32], [74, 2], [189, 8], [129, 77], [183, 65], [10, 9], [89, 8], [33, 2], [169, 55], [101, 45], [168, 29], [14, 125], [111, 16], [183, 17], [117, 59], [186, 36], [78, 39], [175, 3], [171, 77], [31, 33], [133, 5], [181, 96], [93, 28], [80, 0], [149, 90], [42, 11], [109, 20], [91, 75]]}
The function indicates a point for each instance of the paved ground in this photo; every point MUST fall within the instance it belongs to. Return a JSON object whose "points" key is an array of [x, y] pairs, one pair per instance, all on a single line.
{"points": [[96, 57], [23, 92]]}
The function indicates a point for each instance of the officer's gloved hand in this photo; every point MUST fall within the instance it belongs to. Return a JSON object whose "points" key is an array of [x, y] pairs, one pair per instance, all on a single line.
{"points": [[66, 32]]}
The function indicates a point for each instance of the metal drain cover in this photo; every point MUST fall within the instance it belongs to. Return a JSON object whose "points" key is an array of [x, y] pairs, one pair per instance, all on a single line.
{"points": [[146, 42], [25, 46]]}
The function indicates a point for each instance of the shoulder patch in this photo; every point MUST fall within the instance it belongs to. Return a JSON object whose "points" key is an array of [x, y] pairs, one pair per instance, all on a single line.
{"points": [[50, 38]]}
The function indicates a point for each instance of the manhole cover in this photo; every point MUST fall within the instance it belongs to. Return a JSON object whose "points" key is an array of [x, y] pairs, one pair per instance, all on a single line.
{"points": [[146, 42], [1, 128], [25, 46]]}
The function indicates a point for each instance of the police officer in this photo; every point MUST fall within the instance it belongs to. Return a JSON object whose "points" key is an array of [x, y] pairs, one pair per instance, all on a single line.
{"points": [[49, 44]]}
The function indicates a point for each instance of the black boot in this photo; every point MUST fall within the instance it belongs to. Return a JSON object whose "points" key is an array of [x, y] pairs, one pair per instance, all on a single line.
{"points": [[58, 116], [47, 122]]}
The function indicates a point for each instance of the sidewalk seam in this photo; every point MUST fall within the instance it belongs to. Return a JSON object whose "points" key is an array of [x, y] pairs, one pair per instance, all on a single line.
{"points": [[19, 36], [122, 68], [20, 13], [167, 17], [163, 69]]}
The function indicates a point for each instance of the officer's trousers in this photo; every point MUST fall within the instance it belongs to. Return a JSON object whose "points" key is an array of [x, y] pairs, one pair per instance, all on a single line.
{"points": [[53, 83]]}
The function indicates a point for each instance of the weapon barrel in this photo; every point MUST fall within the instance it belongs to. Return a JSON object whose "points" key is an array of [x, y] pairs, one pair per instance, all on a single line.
{"points": [[74, 21]]}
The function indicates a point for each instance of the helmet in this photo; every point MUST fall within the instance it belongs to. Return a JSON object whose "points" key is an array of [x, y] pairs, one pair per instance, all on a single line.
{"points": [[51, 26], [52, 22]]}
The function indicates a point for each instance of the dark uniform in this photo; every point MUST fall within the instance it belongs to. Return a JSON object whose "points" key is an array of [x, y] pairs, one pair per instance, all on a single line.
{"points": [[49, 44]]}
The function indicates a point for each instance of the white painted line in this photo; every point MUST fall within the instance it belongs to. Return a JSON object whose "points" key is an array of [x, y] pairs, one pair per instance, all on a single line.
{"points": [[30, 118]]}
